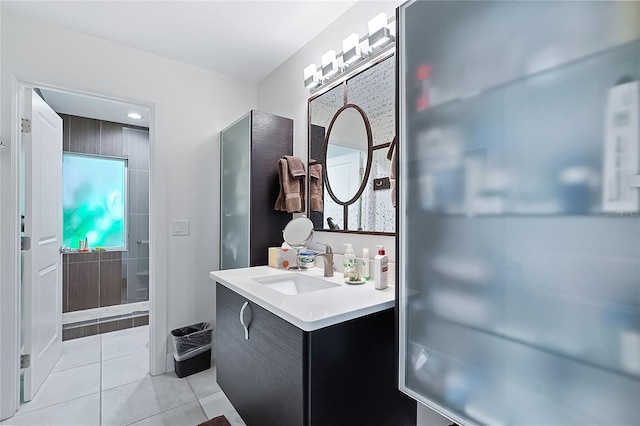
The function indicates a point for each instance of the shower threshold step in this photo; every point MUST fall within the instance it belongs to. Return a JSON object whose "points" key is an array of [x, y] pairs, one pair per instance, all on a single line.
{"points": [[105, 312]]}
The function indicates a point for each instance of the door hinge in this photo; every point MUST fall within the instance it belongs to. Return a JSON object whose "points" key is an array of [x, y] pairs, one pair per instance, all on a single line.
{"points": [[25, 127], [25, 361], [25, 243]]}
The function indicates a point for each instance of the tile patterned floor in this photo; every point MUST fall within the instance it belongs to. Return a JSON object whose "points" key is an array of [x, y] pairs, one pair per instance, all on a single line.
{"points": [[104, 380]]}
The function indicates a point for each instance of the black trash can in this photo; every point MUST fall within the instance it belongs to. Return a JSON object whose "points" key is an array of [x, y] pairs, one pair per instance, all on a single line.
{"points": [[192, 348]]}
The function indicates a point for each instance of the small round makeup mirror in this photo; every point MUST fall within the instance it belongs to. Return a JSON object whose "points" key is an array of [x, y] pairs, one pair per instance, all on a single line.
{"points": [[298, 232]]}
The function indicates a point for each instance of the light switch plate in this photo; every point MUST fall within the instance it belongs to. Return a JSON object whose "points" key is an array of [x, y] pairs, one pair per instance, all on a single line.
{"points": [[180, 227]]}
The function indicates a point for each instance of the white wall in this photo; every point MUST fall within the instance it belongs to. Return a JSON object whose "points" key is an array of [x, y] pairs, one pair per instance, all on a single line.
{"points": [[191, 105], [4, 399], [283, 93]]}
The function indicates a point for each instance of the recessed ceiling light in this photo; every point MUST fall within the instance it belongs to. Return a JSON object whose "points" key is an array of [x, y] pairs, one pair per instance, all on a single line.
{"points": [[134, 115]]}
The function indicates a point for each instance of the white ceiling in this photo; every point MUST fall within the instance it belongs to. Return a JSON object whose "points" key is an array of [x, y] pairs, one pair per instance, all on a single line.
{"points": [[246, 39], [95, 107]]}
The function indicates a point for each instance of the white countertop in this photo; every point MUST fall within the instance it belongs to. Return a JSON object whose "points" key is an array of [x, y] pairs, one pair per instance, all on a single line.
{"points": [[313, 310]]}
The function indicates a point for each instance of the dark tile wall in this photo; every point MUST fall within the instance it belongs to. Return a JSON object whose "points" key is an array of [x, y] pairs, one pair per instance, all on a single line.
{"points": [[83, 284], [95, 279], [92, 280], [111, 141], [76, 332], [84, 135], [143, 320], [98, 137], [104, 325]]}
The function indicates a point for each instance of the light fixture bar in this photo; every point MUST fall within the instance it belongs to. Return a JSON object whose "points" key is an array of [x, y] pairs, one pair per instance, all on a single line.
{"points": [[311, 76], [351, 51], [354, 50], [379, 33], [329, 64], [381, 37]]}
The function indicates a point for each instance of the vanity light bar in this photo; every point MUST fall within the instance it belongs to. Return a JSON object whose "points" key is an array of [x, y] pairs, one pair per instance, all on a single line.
{"points": [[354, 50], [351, 50], [379, 32], [380, 37], [311, 77], [330, 64]]}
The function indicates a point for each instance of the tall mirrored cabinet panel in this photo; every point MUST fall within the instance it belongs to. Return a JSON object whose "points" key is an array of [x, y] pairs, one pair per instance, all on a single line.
{"points": [[519, 214]]}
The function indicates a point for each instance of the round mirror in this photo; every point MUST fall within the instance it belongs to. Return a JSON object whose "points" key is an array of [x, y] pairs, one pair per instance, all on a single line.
{"points": [[347, 154], [298, 232]]}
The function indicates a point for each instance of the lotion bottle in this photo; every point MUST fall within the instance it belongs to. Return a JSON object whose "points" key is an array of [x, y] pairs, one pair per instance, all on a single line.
{"points": [[365, 264], [381, 266], [349, 261]]}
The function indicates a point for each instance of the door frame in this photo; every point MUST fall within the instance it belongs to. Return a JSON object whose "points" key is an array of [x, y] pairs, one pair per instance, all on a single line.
{"points": [[10, 301]]}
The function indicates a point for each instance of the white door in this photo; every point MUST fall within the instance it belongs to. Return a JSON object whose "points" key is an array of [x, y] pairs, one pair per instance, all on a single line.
{"points": [[42, 280], [344, 175]]}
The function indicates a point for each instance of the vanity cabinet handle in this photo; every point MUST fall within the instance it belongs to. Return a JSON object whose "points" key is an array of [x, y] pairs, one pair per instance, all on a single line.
{"points": [[246, 326]]}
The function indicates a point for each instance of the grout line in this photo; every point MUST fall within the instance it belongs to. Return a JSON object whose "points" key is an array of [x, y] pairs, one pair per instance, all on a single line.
{"points": [[197, 399], [100, 404], [19, 414], [124, 356], [204, 413], [164, 411], [27, 404], [75, 366]]}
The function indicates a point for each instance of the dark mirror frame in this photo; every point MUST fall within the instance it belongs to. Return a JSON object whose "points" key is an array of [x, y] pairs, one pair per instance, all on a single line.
{"points": [[365, 178], [311, 136]]}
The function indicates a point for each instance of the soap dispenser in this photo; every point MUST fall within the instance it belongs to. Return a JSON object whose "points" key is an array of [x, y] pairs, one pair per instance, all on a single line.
{"points": [[365, 264], [381, 269], [349, 261]]}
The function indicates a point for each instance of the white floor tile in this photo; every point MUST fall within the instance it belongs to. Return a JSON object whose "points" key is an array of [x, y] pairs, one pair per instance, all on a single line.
{"points": [[217, 405], [84, 411], [119, 344], [137, 401], [64, 386], [105, 378], [204, 383], [126, 369], [144, 329], [235, 419], [189, 414], [79, 352]]}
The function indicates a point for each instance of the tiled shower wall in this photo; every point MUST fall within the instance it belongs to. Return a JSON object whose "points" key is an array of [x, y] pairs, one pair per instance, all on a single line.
{"points": [[137, 144], [96, 280], [92, 280], [104, 279]]}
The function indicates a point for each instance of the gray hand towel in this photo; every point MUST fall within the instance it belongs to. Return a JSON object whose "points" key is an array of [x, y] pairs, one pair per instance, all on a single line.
{"points": [[315, 187], [291, 196], [296, 166]]}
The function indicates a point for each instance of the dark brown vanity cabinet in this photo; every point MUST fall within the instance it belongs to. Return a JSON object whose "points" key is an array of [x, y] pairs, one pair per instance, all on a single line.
{"points": [[343, 374]]}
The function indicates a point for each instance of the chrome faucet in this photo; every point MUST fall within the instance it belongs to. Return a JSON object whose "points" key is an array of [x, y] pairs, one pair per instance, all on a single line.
{"points": [[327, 260]]}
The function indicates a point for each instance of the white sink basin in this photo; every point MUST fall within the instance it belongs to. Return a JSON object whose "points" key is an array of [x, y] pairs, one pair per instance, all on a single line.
{"points": [[294, 283]]}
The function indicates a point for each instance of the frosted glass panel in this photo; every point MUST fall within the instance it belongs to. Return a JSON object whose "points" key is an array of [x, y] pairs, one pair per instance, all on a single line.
{"points": [[93, 201], [520, 211], [235, 196]]}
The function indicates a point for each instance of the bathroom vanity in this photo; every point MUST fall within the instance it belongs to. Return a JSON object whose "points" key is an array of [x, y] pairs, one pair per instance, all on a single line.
{"points": [[295, 348]]}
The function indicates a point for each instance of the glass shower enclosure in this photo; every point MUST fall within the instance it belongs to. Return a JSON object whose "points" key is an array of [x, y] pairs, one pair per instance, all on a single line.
{"points": [[519, 210]]}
